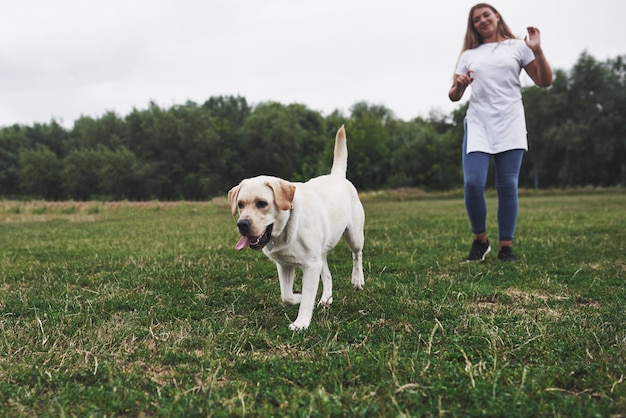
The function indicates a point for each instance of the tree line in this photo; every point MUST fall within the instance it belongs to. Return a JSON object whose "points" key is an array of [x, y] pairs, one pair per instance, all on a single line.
{"points": [[576, 132]]}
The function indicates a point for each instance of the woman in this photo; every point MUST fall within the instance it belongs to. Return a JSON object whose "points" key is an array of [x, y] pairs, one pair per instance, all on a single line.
{"points": [[495, 126]]}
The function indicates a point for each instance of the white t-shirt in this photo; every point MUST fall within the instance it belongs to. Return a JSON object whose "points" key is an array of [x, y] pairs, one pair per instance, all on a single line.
{"points": [[495, 117]]}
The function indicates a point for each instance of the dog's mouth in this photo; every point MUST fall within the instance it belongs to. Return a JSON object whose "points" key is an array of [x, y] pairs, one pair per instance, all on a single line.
{"points": [[255, 243]]}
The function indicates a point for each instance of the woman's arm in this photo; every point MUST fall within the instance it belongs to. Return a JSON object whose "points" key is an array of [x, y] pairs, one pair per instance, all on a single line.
{"points": [[538, 70]]}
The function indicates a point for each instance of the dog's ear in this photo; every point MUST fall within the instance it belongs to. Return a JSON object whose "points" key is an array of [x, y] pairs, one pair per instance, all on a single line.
{"points": [[283, 193], [232, 198]]}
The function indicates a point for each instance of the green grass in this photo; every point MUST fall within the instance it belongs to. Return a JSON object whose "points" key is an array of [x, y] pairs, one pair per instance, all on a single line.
{"points": [[147, 310]]}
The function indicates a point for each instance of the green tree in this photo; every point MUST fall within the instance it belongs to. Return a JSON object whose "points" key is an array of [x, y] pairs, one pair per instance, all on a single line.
{"points": [[11, 139], [203, 151], [89, 133], [546, 110], [80, 174], [231, 111], [422, 157], [51, 135], [157, 141], [609, 130], [228, 115], [117, 173], [274, 141], [369, 146], [40, 173], [584, 123], [312, 129]]}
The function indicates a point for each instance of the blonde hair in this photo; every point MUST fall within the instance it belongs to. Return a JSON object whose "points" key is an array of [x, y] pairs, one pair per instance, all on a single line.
{"points": [[472, 39]]}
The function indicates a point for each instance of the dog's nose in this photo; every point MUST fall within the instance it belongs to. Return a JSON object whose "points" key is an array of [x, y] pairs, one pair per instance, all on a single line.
{"points": [[244, 226]]}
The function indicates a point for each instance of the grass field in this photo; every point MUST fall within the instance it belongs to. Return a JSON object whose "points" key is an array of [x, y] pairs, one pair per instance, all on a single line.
{"points": [[147, 310]]}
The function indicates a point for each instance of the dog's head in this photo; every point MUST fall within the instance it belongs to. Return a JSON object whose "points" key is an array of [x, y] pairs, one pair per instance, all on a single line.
{"points": [[263, 204]]}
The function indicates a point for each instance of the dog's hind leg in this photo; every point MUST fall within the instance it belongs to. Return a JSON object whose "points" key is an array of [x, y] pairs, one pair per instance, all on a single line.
{"points": [[355, 238], [327, 285], [358, 280], [286, 277]]}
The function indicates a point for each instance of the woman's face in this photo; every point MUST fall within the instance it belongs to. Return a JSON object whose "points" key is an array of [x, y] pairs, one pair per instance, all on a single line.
{"points": [[485, 23]]}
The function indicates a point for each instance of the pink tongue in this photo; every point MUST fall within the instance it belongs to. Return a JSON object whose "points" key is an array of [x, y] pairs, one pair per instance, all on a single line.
{"points": [[243, 242]]}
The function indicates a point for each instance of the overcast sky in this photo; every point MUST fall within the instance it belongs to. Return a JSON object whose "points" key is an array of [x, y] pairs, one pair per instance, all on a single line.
{"points": [[65, 58]]}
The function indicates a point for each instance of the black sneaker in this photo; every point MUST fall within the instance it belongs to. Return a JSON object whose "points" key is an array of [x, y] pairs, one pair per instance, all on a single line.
{"points": [[506, 254], [479, 250]]}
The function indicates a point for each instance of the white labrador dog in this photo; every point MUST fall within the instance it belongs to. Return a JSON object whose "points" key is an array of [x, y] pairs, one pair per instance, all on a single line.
{"points": [[297, 224]]}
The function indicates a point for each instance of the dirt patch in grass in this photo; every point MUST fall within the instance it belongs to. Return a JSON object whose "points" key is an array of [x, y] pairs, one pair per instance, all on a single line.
{"points": [[523, 302], [527, 296]]}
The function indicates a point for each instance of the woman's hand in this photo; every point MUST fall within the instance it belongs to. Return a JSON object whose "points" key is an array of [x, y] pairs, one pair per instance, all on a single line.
{"points": [[461, 81], [533, 39]]}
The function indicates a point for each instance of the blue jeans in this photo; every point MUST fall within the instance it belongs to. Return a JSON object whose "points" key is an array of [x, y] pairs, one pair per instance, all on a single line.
{"points": [[475, 169]]}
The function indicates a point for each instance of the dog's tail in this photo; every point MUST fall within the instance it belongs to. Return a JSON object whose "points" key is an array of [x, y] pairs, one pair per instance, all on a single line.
{"points": [[340, 155]]}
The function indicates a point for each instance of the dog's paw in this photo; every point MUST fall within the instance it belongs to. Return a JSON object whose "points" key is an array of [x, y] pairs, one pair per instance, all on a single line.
{"points": [[294, 326], [325, 302], [358, 284], [358, 280], [293, 299]]}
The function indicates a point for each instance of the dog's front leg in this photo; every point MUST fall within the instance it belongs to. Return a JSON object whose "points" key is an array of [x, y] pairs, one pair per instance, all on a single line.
{"points": [[286, 277], [310, 282]]}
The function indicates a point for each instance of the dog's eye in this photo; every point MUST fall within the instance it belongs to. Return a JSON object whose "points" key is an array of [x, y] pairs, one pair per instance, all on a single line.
{"points": [[240, 205], [261, 204]]}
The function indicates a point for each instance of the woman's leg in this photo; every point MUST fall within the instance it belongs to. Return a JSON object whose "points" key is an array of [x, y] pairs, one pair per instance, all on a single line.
{"points": [[475, 169], [508, 165]]}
